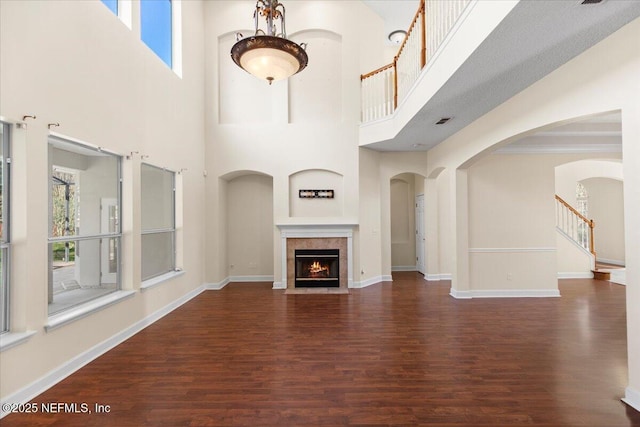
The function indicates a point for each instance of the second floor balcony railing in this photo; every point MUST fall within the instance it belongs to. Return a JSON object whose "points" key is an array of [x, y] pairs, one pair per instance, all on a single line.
{"points": [[383, 89]]}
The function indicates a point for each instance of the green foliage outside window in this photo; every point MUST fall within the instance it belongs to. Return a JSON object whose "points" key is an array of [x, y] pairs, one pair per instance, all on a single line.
{"points": [[63, 192]]}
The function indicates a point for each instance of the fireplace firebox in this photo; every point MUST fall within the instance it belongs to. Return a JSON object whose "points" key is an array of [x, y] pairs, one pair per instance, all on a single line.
{"points": [[317, 268]]}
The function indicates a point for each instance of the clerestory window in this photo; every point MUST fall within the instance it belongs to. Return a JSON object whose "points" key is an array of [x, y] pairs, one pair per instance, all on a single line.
{"points": [[156, 18], [112, 5]]}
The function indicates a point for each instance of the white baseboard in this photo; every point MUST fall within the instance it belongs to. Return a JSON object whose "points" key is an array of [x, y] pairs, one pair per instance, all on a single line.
{"points": [[251, 278], [437, 277], [58, 374], [619, 276], [372, 281], [632, 398], [460, 294], [404, 268], [278, 285], [217, 286], [612, 261], [505, 293], [575, 275], [235, 279]]}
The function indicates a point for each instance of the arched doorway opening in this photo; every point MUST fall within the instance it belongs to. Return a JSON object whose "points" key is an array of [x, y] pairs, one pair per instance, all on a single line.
{"points": [[408, 223]]}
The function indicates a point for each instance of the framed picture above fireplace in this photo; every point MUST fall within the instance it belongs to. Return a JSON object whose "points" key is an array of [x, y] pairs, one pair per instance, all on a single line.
{"points": [[315, 194]]}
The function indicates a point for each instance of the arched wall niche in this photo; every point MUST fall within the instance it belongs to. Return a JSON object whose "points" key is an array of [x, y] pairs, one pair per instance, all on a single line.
{"points": [[229, 176], [315, 94], [316, 179], [249, 225], [242, 98]]}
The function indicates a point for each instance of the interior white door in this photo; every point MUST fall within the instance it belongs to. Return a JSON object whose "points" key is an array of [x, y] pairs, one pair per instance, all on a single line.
{"points": [[420, 235]]}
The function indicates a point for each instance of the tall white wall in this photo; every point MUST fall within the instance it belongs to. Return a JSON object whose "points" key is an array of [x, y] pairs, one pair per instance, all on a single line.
{"points": [[308, 123], [75, 63]]}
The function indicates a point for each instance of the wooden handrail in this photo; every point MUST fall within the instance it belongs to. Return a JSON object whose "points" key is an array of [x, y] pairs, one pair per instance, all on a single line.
{"points": [[572, 209], [395, 82], [423, 41], [421, 9], [374, 72], [409, 64], [420, 14], [591, 223]]}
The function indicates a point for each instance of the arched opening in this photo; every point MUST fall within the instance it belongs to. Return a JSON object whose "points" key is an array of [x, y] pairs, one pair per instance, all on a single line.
{"points": [[594, 187], [503, 202], [407, 222]]}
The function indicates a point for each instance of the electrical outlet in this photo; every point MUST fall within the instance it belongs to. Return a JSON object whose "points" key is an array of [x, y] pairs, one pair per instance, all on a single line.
{"points": [[509, 276]]}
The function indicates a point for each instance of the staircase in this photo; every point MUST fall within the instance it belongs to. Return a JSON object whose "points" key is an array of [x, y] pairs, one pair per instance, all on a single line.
{"points": [[610, 272], [599, 274], [580, 229]]}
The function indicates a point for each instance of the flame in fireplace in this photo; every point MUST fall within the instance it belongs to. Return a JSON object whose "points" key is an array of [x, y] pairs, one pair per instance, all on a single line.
{"points": [[317, 268]]}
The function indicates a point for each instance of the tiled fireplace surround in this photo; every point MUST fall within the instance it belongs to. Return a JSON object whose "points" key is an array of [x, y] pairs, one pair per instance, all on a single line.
{"points": [[298, 236]]}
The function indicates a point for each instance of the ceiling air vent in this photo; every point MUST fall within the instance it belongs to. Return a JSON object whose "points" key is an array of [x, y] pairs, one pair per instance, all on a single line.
{"points": [[445, 119], [591, 1]]}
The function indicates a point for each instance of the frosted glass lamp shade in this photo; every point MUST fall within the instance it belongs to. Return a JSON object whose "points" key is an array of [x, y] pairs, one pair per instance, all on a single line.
{"points": [[268, 57]]}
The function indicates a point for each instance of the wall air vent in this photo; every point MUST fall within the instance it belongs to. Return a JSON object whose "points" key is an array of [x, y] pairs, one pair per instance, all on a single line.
{"points": [[591, 1], [443, 120]]}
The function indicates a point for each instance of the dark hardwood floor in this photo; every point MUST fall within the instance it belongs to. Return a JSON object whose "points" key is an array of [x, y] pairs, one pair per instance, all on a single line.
{"points": [[401, 353]]}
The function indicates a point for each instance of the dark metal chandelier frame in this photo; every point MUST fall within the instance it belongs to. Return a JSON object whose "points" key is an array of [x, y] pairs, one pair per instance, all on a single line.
{"points": [[272, 42]]}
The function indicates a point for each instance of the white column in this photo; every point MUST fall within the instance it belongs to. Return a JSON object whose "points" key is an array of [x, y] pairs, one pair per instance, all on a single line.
{"points": [[631, 166], [432, 227], [460, 285]]}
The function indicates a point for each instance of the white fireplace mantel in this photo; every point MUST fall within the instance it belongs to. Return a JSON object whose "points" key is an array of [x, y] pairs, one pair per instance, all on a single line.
{"points": [[320, 231]]}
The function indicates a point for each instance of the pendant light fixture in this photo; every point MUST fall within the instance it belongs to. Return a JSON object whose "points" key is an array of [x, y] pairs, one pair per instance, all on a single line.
{"points": [[269, 55]]}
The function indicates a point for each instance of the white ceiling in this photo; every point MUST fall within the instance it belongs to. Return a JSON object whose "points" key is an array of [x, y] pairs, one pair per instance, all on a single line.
{"points": [[397, 15], [533, 40]]}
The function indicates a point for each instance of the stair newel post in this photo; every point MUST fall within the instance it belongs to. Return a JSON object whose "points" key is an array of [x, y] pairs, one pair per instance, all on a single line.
{"points": [[592, 245], [395, 82], [423, 38]]}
